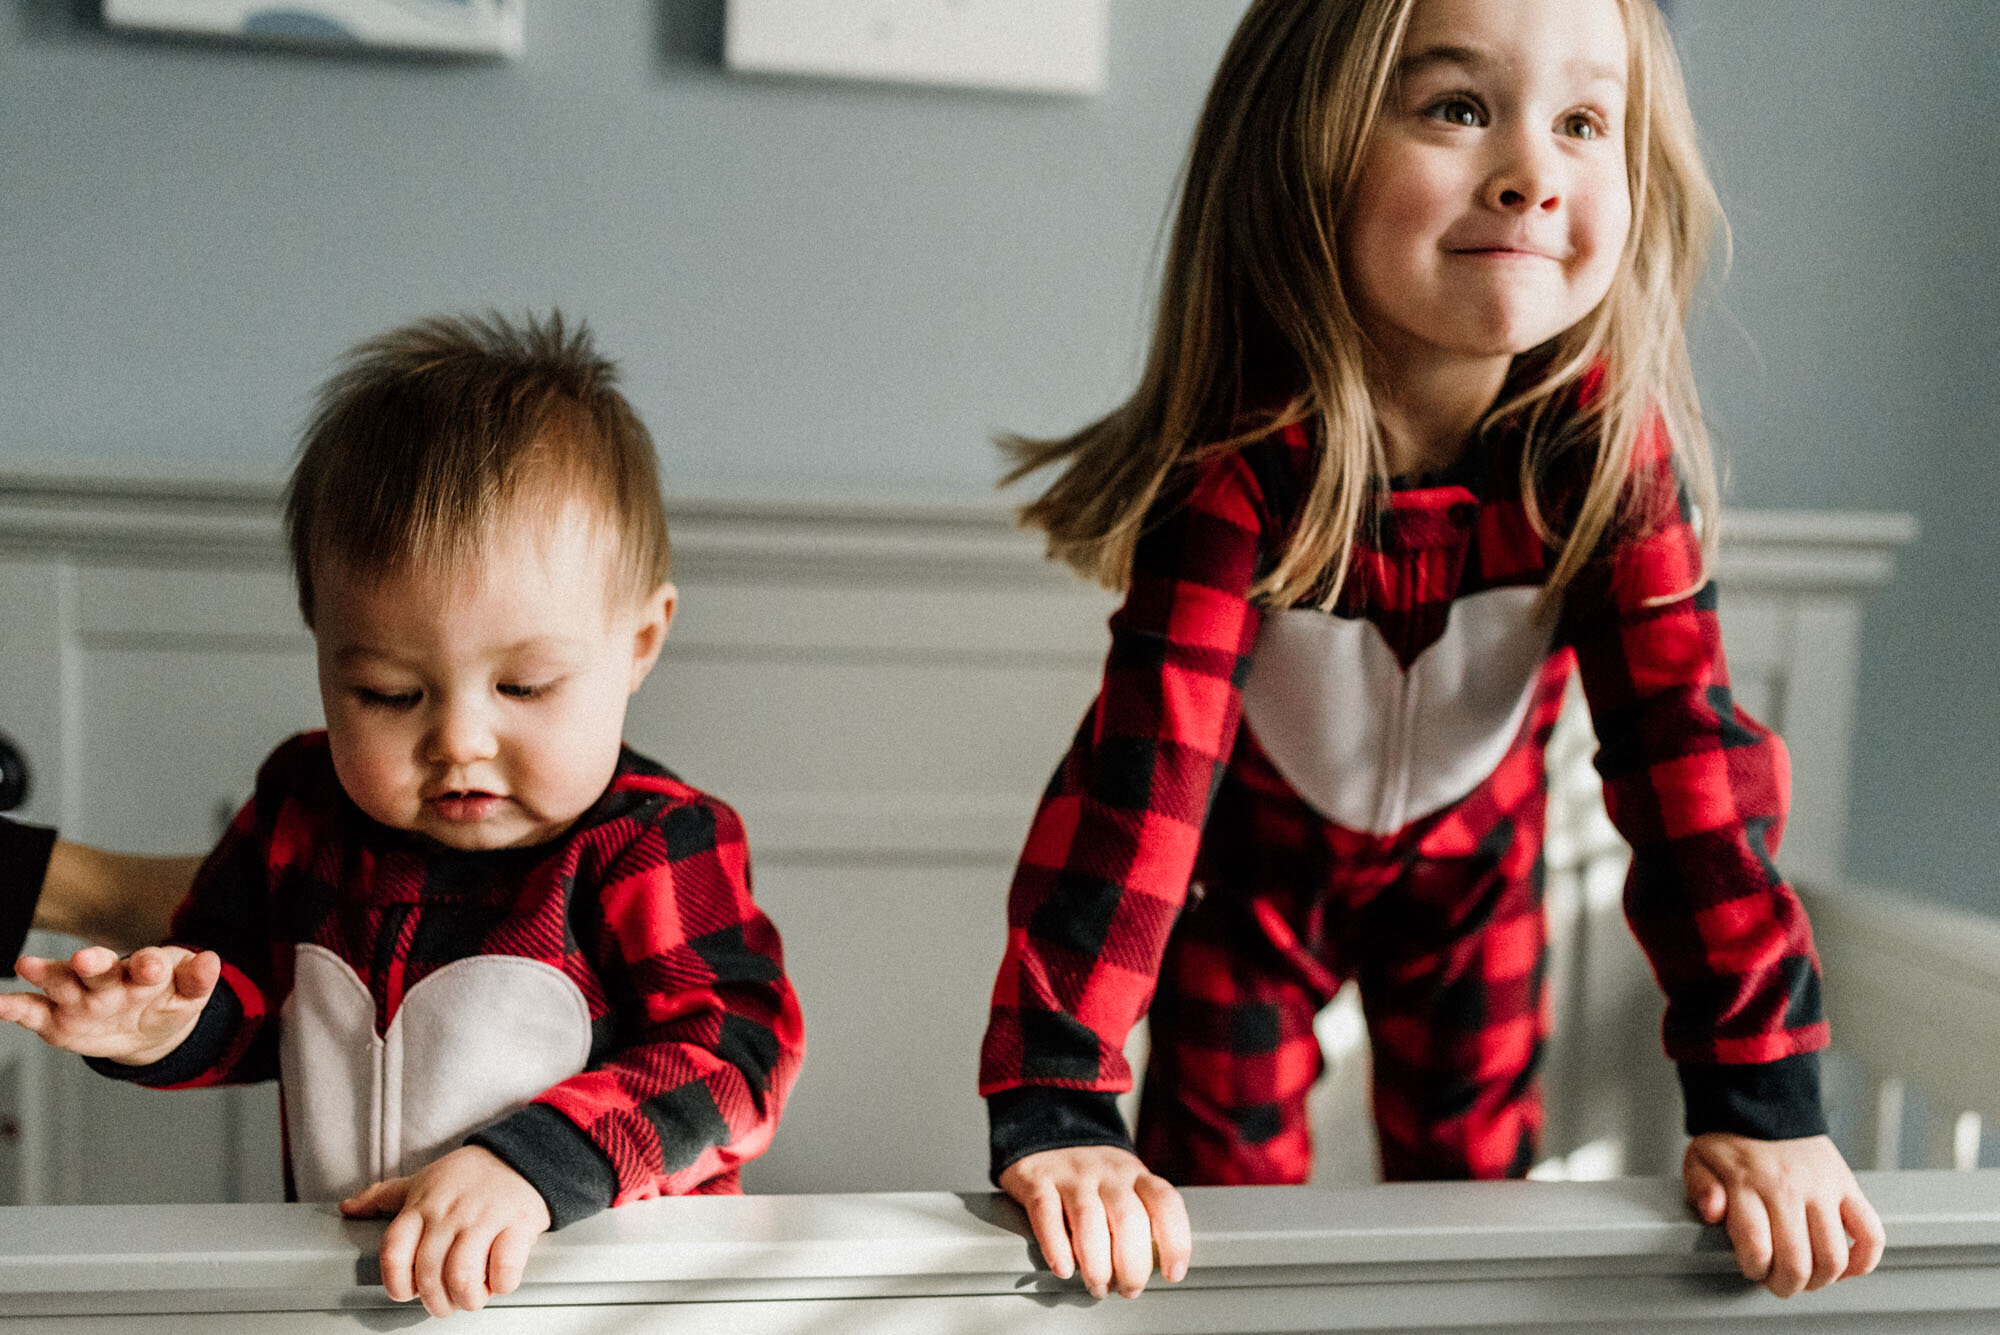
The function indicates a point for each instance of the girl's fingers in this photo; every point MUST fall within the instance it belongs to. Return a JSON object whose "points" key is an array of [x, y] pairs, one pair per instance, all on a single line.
{"points": [[510, 1257], [1045, 1217], [1865, 1227], [465, 1266], [1171, 1232], [1089, 1238], [1829, 1243], [1704, 1190], [1131, 1239], [1791, 1248], [1749, 1229]]}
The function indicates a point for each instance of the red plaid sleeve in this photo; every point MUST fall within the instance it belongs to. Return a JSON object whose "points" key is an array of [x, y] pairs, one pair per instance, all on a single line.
{"points": [[1699, 789], [1109, 853], [711, 1035]]}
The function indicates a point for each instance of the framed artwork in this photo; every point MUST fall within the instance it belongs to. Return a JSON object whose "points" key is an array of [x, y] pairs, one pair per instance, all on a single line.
{"points": [[1030, 46], [450, 27]]}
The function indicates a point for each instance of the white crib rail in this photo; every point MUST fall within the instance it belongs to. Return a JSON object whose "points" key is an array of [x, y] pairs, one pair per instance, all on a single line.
{"points": [[1913, 994]]}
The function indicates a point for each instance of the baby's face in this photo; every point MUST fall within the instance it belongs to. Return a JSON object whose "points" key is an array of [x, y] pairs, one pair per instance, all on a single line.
{"points": [[484, 708]]}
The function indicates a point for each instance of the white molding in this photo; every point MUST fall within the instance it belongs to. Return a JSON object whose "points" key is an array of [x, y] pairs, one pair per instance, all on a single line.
{"points": [[738, 536]]}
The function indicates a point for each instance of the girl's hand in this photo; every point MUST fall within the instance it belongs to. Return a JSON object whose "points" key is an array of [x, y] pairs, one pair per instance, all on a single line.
{"points": [[462, 1228], [134, 1010], [1097, 1210], [1790, 1207]]}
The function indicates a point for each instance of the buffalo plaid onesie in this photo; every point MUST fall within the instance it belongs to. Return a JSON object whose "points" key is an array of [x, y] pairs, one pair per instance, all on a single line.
{"points": [[1263, 803], [607, 1012]]}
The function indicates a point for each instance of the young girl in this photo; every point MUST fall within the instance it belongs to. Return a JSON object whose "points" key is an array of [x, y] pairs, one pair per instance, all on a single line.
{"points": [[1417, 437]]}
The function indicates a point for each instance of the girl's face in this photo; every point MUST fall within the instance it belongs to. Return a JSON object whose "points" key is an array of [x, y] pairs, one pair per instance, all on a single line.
{"points": [[1492, 205]]}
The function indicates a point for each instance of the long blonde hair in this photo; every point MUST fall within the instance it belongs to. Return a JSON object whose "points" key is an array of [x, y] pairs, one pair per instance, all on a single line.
{"points": [[1254, 330]]}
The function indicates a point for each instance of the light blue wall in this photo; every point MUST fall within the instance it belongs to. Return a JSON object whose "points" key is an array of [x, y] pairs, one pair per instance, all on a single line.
{"points": [[826, 287]]}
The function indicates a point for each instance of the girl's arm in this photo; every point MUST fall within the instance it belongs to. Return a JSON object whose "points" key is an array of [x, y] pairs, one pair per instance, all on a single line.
{"points": [[710, 1031], [1108, 856]]}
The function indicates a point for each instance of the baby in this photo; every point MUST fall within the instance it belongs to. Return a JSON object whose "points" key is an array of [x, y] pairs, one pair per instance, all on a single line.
{"points": [[506, 970]]}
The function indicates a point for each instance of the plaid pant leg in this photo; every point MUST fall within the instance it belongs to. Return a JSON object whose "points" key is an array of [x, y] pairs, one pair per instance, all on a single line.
{"points": [[1233, 1052], [1451, 984]]}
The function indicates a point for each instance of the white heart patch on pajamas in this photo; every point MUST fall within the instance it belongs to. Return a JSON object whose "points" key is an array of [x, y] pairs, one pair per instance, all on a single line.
{"points": [[474, 1040], [1371, 745]]}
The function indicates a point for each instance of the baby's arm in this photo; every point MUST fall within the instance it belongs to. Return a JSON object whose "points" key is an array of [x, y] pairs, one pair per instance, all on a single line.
{"points": [[133, 1011], [1790, 1208], [1097, 1212], [462, 1228]]}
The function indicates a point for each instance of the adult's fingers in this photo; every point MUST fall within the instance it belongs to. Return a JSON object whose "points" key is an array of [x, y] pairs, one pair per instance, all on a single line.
{"points": [[465, 1269], [1131, 1239], [398, 1256], [1172, 1233], [1045, 1217], [1829, 1243], [1089, 1237], [1865, 1227], [510, 1257]]}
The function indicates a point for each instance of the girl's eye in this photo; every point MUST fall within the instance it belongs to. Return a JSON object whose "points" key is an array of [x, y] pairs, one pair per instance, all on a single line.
{"points": [[1583, 125], [1457, 111], [520, 691], [387, 699]]}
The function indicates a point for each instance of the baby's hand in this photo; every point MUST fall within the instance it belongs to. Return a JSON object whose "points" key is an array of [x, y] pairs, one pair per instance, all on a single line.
{"points": [[462, 1229], [1096, 1209], [134, 1010], [1790, 1206]]}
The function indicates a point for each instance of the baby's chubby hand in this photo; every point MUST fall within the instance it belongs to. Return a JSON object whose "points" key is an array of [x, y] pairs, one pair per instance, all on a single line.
{"points": [[1099, 1213], [1789, 1206], [462, 1228], [134, 1010]]}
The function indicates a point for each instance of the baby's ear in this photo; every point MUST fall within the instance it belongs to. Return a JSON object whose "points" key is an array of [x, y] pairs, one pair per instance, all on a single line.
{"points": [[649, 634]]}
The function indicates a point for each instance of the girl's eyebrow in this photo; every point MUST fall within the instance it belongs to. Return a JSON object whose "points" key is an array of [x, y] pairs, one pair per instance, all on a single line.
{"points": [[1475, 58]]}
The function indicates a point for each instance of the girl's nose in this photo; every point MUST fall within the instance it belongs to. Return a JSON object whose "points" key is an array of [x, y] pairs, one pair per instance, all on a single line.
{"points": [[1526, 178], [461, 734]]}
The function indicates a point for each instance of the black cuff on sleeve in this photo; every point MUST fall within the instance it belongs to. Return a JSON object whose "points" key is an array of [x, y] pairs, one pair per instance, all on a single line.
{"points": [[1777, 1100], [562, 1163], [24, 864], [1028, 1120], [198, 1052]]}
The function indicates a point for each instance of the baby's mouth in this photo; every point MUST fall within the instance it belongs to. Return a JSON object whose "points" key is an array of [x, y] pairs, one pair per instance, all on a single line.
{"points": [[466, 805]]}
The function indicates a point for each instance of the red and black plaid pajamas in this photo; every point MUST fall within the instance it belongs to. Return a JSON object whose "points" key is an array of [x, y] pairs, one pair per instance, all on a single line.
{"points": [[1236, 830], [694, 1036]]}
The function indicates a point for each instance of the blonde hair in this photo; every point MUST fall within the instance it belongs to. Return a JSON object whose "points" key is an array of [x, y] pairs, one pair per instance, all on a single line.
{"points": [[1254, 329], [426, 435]]}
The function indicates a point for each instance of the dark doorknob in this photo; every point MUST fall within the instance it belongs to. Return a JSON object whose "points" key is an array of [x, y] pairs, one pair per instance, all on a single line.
{"points": [[13, 775]]}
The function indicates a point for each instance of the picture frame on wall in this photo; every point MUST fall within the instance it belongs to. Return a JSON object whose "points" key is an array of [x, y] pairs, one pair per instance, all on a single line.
{"points": [[443, 27]]}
